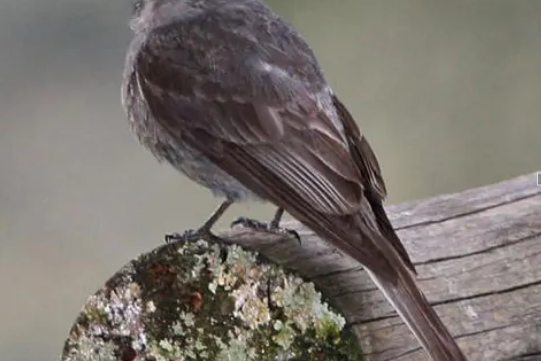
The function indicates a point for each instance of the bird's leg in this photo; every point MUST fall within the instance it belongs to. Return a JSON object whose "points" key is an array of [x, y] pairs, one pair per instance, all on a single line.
{"points": [[273, 226], [204, 232], [275, 222]]}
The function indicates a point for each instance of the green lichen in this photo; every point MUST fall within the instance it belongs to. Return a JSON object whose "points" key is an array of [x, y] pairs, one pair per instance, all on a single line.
{"points": [[197, 302]]}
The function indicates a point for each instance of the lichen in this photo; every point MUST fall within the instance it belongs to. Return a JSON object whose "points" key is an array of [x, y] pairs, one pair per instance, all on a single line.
{"points": [[197, 301]]}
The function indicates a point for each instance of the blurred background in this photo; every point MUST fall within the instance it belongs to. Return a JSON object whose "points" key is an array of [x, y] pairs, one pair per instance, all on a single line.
{"points": [[449, 94]]}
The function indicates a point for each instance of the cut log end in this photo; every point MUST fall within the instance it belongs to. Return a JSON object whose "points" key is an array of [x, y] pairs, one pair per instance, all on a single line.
{"points": [[194, 301]]}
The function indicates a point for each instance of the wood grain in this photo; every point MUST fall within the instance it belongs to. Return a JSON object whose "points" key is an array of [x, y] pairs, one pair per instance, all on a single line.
{"points": [[478, 255]]}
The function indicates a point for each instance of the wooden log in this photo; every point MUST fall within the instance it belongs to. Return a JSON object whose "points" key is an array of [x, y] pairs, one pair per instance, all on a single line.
{"points": [[478, 255]]}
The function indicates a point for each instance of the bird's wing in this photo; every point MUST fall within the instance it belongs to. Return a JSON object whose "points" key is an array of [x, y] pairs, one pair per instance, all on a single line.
{"points": [[375, 190], [273, 124]]}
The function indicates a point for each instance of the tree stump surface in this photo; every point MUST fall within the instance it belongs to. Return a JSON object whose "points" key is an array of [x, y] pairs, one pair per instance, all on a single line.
{"points": [[478, 256]]}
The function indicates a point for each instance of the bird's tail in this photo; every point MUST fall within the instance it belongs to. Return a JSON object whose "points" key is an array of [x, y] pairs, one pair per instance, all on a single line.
{"points": [[414, 309], [390, 271]]}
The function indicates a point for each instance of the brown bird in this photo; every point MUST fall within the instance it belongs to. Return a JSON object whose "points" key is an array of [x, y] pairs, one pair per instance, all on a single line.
{"points": [[231, 95]]}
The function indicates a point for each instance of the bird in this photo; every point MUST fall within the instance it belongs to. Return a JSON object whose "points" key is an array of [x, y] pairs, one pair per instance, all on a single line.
{"points": [[231, 95]]}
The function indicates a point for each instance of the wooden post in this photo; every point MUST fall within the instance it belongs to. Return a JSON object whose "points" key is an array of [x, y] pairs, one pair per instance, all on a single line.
{"points": [[478, 255]]}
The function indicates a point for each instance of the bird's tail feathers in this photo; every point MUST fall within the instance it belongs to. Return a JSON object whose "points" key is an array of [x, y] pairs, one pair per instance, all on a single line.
{"points": [[419, 316]]}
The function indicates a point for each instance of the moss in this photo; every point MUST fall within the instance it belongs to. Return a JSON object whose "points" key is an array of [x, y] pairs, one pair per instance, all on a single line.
{"points": [[195, 302]]}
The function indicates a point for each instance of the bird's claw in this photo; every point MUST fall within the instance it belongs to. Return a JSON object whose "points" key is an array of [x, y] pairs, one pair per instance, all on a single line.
{"points": [[189, 235], [192, 235], [251, 223], [173, 237], [266, 227]]}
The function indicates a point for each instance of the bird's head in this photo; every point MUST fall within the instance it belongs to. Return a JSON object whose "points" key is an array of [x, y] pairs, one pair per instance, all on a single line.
{"points": [[149, 14]]}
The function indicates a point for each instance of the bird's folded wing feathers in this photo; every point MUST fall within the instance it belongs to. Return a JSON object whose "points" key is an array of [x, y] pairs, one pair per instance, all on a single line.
{"points": [[287, 130], [281, 137]]}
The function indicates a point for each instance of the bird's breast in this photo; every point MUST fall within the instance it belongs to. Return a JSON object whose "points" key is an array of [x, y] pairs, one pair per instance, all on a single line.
{"points": [[172, 149]]}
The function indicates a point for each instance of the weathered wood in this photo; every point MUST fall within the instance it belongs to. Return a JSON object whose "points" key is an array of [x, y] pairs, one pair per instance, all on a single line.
{"points": [[478, 255]]}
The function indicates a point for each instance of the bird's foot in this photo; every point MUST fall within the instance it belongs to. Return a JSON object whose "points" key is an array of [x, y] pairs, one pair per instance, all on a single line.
{"points": [[204, 232], [192, 235], [271, 227]]}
